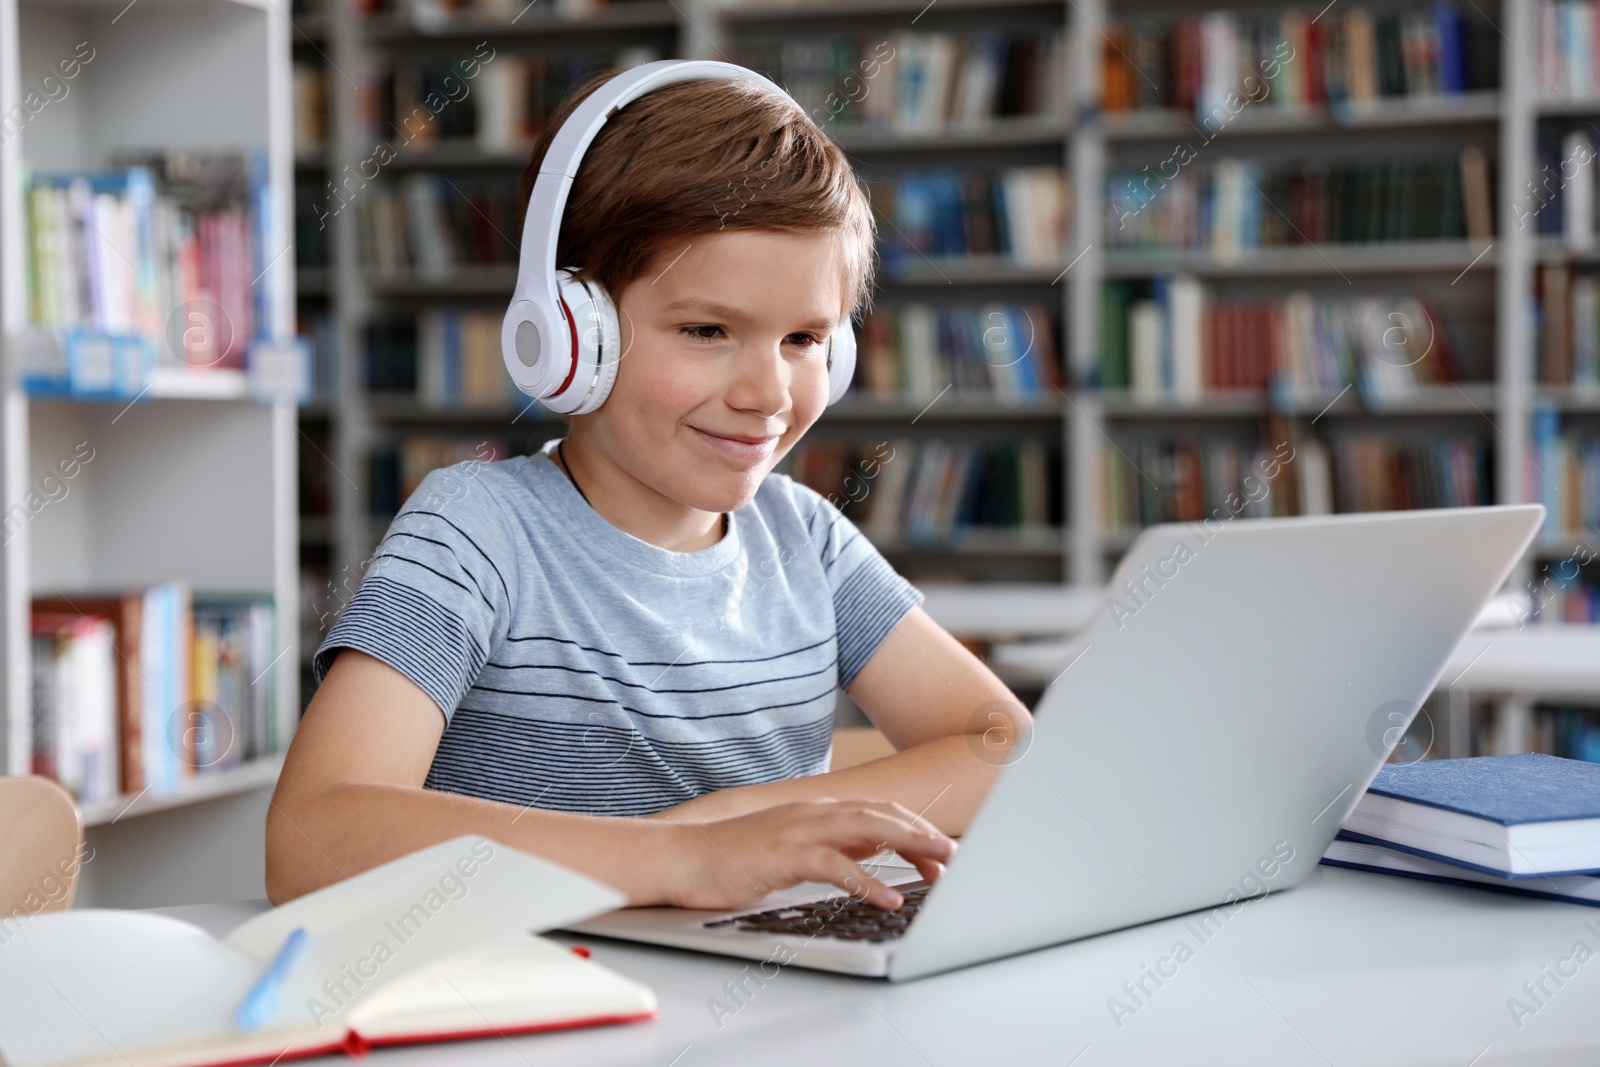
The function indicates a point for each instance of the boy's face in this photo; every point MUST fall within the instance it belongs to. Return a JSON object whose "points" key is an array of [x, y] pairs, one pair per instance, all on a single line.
{"points": [[723, 336]]}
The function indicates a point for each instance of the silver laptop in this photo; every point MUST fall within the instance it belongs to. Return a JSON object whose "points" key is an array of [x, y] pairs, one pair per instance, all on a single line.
{"points": [[1235, 694]]}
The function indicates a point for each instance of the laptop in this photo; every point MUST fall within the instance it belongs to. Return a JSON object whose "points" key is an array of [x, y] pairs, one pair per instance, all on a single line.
{"points": [[1237, 690]]}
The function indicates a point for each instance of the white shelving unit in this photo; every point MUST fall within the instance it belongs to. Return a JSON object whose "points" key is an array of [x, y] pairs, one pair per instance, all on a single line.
{"points": [[196, 480], [1498, 279], [1488, 289]]}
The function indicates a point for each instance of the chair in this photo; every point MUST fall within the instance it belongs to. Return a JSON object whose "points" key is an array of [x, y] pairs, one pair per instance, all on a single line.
{"points": [[41, 837]]}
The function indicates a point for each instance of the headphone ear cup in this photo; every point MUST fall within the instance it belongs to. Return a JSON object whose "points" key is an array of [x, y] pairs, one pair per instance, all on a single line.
{"points": [[600, 345], [534, 346], [841, 360], [591, 322]]}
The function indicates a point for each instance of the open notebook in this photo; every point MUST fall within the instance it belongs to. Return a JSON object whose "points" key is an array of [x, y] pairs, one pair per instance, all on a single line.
{"points": [[436, 945]]}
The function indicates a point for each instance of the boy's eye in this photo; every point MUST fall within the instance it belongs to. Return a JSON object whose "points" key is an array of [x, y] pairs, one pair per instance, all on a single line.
{"points": [[712, 332]]}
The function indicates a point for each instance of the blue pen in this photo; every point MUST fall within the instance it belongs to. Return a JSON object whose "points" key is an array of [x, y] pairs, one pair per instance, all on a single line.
{"points": [[263, 996]]}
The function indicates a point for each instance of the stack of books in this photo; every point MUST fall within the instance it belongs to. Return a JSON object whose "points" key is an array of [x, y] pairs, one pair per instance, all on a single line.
{"points": [[910, 81], [1573, 731], [1188, 479], [1526, 824], [459, 363], [1564, 602], [1297, 58], [310, 107], [435, 15], [140, 688], [1005, 352], [1017, 213], [1568, 327], [1558, 203], [318, 331], [444, 358], [1565, 58], [1231, 206], [433, 225], [495, 101], [1377, 472], [149, 264], [1566, 464], [1178, 343], [936, 492]]}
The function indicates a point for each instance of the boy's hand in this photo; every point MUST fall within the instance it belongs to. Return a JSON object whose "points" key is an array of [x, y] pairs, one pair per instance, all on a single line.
{"points": [[728, 863]]}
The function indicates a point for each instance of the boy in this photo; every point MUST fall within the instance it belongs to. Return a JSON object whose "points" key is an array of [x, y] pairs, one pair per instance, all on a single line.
{"points": [[622, 652]]}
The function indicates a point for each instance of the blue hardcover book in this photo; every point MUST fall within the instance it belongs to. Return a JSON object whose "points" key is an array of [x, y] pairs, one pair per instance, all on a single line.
{"points": [[162, 733], [914, 205], [949, 218], [1448, 32], [1002, 220], [1345, 851], [1546, 433], [453, 390], [1028, 350], [261, 224], [1250, 219], [1525, 816]]}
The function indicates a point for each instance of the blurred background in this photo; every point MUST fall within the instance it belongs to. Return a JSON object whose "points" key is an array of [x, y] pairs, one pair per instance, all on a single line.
{"points": [[1142, 261]]}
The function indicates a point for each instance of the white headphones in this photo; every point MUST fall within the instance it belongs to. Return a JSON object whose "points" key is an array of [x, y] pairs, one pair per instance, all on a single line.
{"points": [[561, 339]]}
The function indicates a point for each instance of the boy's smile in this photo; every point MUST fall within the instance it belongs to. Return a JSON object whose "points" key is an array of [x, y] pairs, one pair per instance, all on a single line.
{"points": [[750, 449], [723, 369]]}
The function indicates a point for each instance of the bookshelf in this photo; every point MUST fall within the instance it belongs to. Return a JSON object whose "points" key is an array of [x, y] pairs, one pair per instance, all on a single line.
{"points": [[195, 480], [1479, 273]]}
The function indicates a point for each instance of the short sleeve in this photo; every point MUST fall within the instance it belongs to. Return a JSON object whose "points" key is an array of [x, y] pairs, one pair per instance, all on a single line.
{"points": [[436, 598], [869, 596]]}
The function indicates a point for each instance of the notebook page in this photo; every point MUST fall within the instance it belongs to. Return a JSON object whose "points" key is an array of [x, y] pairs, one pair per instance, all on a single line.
{"points": [[408, 913], [105, 984], [520, 982]]}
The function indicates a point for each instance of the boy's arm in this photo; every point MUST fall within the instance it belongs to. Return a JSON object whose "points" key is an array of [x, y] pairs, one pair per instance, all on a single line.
{"points": [[351, 797], [952, 720]]}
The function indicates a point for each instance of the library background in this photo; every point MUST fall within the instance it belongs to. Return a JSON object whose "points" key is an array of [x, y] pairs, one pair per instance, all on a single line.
{"points": [[1141, 261]]}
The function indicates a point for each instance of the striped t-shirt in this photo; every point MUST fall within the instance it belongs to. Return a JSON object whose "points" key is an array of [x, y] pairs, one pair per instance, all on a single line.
{"points": [[582, 669]]}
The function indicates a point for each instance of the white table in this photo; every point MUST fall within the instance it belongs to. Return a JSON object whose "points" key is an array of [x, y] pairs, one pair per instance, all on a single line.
{"points": [[1346, 969]]}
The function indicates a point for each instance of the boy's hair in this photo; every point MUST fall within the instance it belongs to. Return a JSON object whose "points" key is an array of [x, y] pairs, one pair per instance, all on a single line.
{"points": [[698, 157]]}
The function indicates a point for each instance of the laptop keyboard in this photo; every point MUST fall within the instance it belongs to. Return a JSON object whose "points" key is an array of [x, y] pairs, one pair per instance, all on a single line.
{"points": [[843, 917]]}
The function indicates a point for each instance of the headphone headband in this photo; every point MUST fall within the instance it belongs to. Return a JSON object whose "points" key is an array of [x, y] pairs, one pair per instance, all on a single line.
{"points": [[560, 338], [536, 274]]}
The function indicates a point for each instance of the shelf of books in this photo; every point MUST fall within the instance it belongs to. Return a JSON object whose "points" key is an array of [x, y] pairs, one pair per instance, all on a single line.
{"points": [[951, 454], [1557, 212], [1298, 309], [413, 123], [970, 388], [1139, 262], [148, 430]]}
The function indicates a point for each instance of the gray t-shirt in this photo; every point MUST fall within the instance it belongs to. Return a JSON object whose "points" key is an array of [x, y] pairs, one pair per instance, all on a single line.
{"points": [[582, 669]]}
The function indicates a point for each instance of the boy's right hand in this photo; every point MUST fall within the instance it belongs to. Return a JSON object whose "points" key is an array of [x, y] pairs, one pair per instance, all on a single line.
{"points": [[728, 863]]}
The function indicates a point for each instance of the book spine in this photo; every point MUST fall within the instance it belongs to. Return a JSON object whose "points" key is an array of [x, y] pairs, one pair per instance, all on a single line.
{"points": [[130, 696]]}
